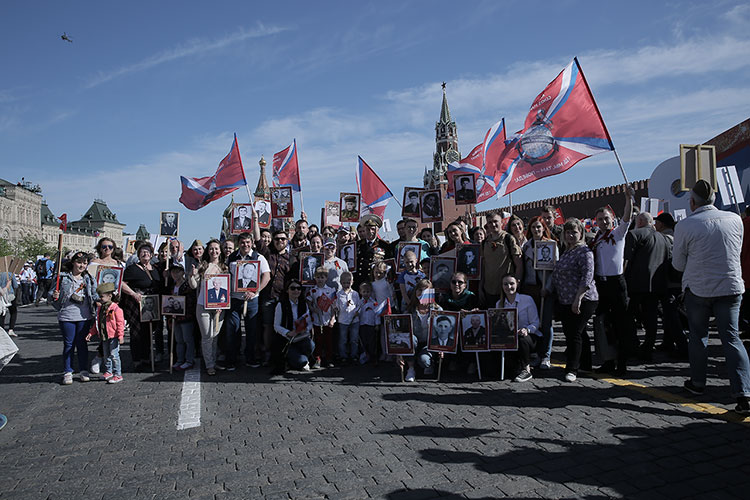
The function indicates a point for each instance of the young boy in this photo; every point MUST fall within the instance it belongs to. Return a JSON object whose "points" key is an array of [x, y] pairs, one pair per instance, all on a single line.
{"points": [[321, 300], [368, 322], [347, 308], [408, 278]]}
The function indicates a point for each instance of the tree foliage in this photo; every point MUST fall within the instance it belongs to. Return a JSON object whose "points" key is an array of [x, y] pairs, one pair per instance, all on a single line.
{"points": [[6, 247], [30, 246]]}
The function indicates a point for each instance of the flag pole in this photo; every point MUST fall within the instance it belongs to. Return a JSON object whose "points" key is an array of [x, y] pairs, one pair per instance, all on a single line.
{"points": [[622, 170]]}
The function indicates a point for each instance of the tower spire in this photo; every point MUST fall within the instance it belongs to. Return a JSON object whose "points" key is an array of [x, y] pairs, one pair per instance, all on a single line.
{"points": [[445, 114], [262, 191]]}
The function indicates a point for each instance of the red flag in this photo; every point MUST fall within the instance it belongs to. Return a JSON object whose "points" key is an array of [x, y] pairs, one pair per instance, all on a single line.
{"points": [[563, 127], [559, 218], [197, 192], [286, 168], [375, 194], [63, 222]]}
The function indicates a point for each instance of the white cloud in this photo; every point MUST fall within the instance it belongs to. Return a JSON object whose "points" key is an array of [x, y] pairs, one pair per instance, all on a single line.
{"points": [[189, 48]]}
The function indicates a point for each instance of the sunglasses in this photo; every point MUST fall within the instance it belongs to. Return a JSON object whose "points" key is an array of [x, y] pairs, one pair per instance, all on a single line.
{"points": [[457, 282], [280, 239], [107, 247], [295, 288]]}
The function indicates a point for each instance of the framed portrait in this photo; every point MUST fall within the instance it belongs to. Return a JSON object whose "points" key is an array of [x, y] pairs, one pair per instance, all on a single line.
{"points": [[465, 189], [401, 250], [216, 291], [109, 274], [282, 205], [399, 334], [545, 255], [263, 213], [331, 214], [149, 307], [169, 224], [242, 218], [503, 329], [474, 331], [173, 305], [443, 331], [246, 275], [431, 205], [411, 205], [348, 253], [441, 270], [350, 205], [130, 248], [468, 260], [308, 263]]}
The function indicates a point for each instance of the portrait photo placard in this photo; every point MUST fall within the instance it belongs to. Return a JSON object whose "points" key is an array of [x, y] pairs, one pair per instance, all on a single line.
{"points": [[242, 218], [444, 331], [468, 260], [545, 255], [350, 205], [400, 340], [431, 205], [109, 274], [173, 305], [263, 213], [169, 224], [282, 205], [246, 275], [411, 205], [216, 291], [331, 213], [149, 307], [503, 329], [348, 253], [474, 331], [441, 270], [401, 250], [308, 263], [465, 189]]}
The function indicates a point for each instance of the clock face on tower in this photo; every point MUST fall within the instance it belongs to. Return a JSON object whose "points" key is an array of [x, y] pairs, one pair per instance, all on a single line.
{"points": [[452, 155]]}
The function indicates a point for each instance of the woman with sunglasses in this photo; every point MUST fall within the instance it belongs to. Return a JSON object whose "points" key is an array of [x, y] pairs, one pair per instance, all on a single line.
{"points": [[292, 323], [460, 297], [74, 302], [212, 262]]}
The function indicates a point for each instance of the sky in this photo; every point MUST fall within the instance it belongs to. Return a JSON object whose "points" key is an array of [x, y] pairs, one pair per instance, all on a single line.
{"points": [[149, 91]]}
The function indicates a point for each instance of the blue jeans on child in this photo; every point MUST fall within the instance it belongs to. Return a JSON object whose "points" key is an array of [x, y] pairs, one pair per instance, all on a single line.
{"points": [[349, 335], [111, 348], [183, 337], [74, 339]]}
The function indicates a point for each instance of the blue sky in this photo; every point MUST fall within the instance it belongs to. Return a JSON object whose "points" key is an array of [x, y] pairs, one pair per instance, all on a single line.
{"points": [[149, 91]]}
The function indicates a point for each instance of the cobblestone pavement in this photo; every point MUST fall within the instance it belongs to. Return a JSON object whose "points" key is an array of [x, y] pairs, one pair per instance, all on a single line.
{"points": [[359, 432]]}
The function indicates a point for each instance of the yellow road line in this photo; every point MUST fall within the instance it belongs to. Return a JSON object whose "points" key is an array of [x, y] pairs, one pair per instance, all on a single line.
{"points": [[669, 397]]}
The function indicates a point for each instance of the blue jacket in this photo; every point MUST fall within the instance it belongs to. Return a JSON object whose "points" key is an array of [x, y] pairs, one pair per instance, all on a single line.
{"points": [[66, 290]]}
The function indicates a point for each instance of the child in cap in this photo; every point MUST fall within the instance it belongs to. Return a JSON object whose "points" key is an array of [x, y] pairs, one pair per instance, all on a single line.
{"points": [[109, 325]]}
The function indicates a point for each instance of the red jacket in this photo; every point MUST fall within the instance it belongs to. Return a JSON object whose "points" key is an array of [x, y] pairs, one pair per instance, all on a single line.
{"points": [[115, 323]]}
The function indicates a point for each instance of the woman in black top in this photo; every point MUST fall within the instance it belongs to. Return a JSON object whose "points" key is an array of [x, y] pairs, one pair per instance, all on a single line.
{"points": [[143, 279]]}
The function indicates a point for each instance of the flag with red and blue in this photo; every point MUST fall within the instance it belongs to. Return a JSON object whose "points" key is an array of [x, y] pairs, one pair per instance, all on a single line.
{"points": [[375, 194], [286, 168]]}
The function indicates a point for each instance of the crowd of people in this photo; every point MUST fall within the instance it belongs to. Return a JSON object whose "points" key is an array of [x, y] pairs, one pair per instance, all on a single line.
{"points": [[621, 276]]}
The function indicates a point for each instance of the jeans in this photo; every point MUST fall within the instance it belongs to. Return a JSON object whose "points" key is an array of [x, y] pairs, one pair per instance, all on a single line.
{"points": [[349, 337], [234, 331], [423, 357], [74, 339], [112, 356], [183, 337], [726, 310], [26, 292], [299, 353], [209, 333], [544, 345], [43, 289]]}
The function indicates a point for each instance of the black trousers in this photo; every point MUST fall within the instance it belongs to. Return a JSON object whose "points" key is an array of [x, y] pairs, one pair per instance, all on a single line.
{"points": [[526, 345], [577, 342], [613, 302], [644, 306]]}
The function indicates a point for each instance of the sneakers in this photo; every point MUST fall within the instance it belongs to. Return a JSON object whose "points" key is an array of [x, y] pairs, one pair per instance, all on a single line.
{"points": [[429, 370], [12, 333], [116, 379], [410, 375], [693, 389], [211, 372], [306, 368], [84, 376], [186, 366], [546, 364], [67, 378], [743, 406], [177, 366], [95, 364], [570, 377], [107, 376], [524, 376]]}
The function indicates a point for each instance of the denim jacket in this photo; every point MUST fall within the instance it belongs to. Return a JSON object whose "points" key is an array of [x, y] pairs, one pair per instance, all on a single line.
{"points": [[8, 286], [66, 290]]}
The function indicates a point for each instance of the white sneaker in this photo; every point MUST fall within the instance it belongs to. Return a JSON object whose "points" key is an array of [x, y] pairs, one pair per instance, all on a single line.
{"points": [[12, 333], [546, 364], [410, 375], [306, 368], [95, 365], [570, 377], [429, 370], [84, 376], [67, 378]]}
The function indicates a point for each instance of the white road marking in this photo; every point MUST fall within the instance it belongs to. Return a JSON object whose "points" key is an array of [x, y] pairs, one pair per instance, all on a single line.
{"points": [[190, 404]]}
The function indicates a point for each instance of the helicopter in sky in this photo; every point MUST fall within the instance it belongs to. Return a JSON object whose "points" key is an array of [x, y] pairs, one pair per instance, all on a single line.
{"points": [[66, 38]]}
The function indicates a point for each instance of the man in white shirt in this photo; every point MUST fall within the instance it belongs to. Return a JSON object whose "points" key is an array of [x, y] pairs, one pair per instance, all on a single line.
{"points": [[707, 250], [609, 248]]}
